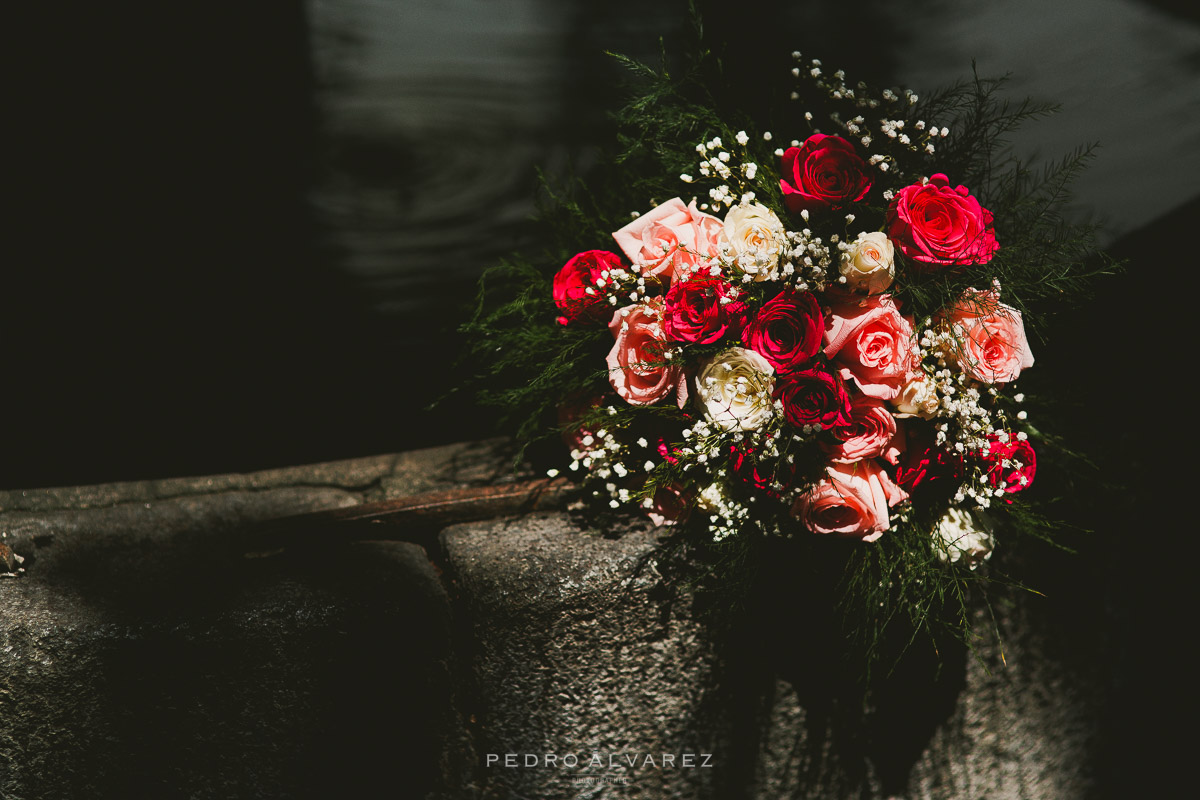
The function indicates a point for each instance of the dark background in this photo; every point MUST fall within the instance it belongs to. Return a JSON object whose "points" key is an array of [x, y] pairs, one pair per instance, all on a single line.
{"points": [[242, 235]]}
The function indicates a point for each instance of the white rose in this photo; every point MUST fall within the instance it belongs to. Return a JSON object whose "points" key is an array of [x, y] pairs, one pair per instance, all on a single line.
{"points": [[754, 238], [712, 498], [965, 536], [919, 398], [869, 263], [734, 390]]}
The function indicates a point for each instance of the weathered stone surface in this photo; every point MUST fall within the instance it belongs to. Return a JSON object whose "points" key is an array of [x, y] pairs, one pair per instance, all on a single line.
{"points": [[576, 649], [373, 477], [321, 677], [144, 654]]}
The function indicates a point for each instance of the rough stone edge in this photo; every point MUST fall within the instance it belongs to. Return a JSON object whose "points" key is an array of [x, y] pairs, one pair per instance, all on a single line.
{"points": [[375, 477]]}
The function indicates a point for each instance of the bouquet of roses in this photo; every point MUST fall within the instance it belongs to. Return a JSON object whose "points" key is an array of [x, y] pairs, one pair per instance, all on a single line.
{"points": [[817, 339]]}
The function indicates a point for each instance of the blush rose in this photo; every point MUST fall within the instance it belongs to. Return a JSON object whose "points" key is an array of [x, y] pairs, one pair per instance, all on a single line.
{"points": [[872, 343], [870, 432], [671, 240], [851, 500], [637, 366], [991, 342]]}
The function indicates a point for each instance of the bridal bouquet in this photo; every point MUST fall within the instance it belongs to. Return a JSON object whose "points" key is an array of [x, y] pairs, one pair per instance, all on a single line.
{"points": [[817, 331]]}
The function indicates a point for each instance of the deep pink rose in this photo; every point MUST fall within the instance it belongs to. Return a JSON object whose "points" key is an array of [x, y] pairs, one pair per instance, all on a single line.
{"points": [[824, 172], [815, 396], [695, 313], [575, 278], [992, 346], [1022, 463], [787, 330], [872, 343], [637, 366], [934, 224], [923, 462], [671, 240], [870, 432], [852, 500]]}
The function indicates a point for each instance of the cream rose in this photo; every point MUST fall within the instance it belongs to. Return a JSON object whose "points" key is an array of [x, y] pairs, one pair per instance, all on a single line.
{"points": [[753, 238], [734, 390], [869, 263], [918, 398], [964, 537]]}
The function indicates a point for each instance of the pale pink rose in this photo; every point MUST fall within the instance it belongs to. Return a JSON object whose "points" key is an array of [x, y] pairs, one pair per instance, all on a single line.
{"points": [[670, 240], [637, 367], [870, 433], [853, 500], [992, 347], [709, 230], [872, 343]]}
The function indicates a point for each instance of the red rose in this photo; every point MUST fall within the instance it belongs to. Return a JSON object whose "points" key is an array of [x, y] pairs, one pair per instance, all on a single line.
{"points": [[761, 476], [671, 504], [923, 461], [694, 311], [825, 172], [814, 396], [935, 224], [787, 331], [1018, 473], [572, 282]]}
